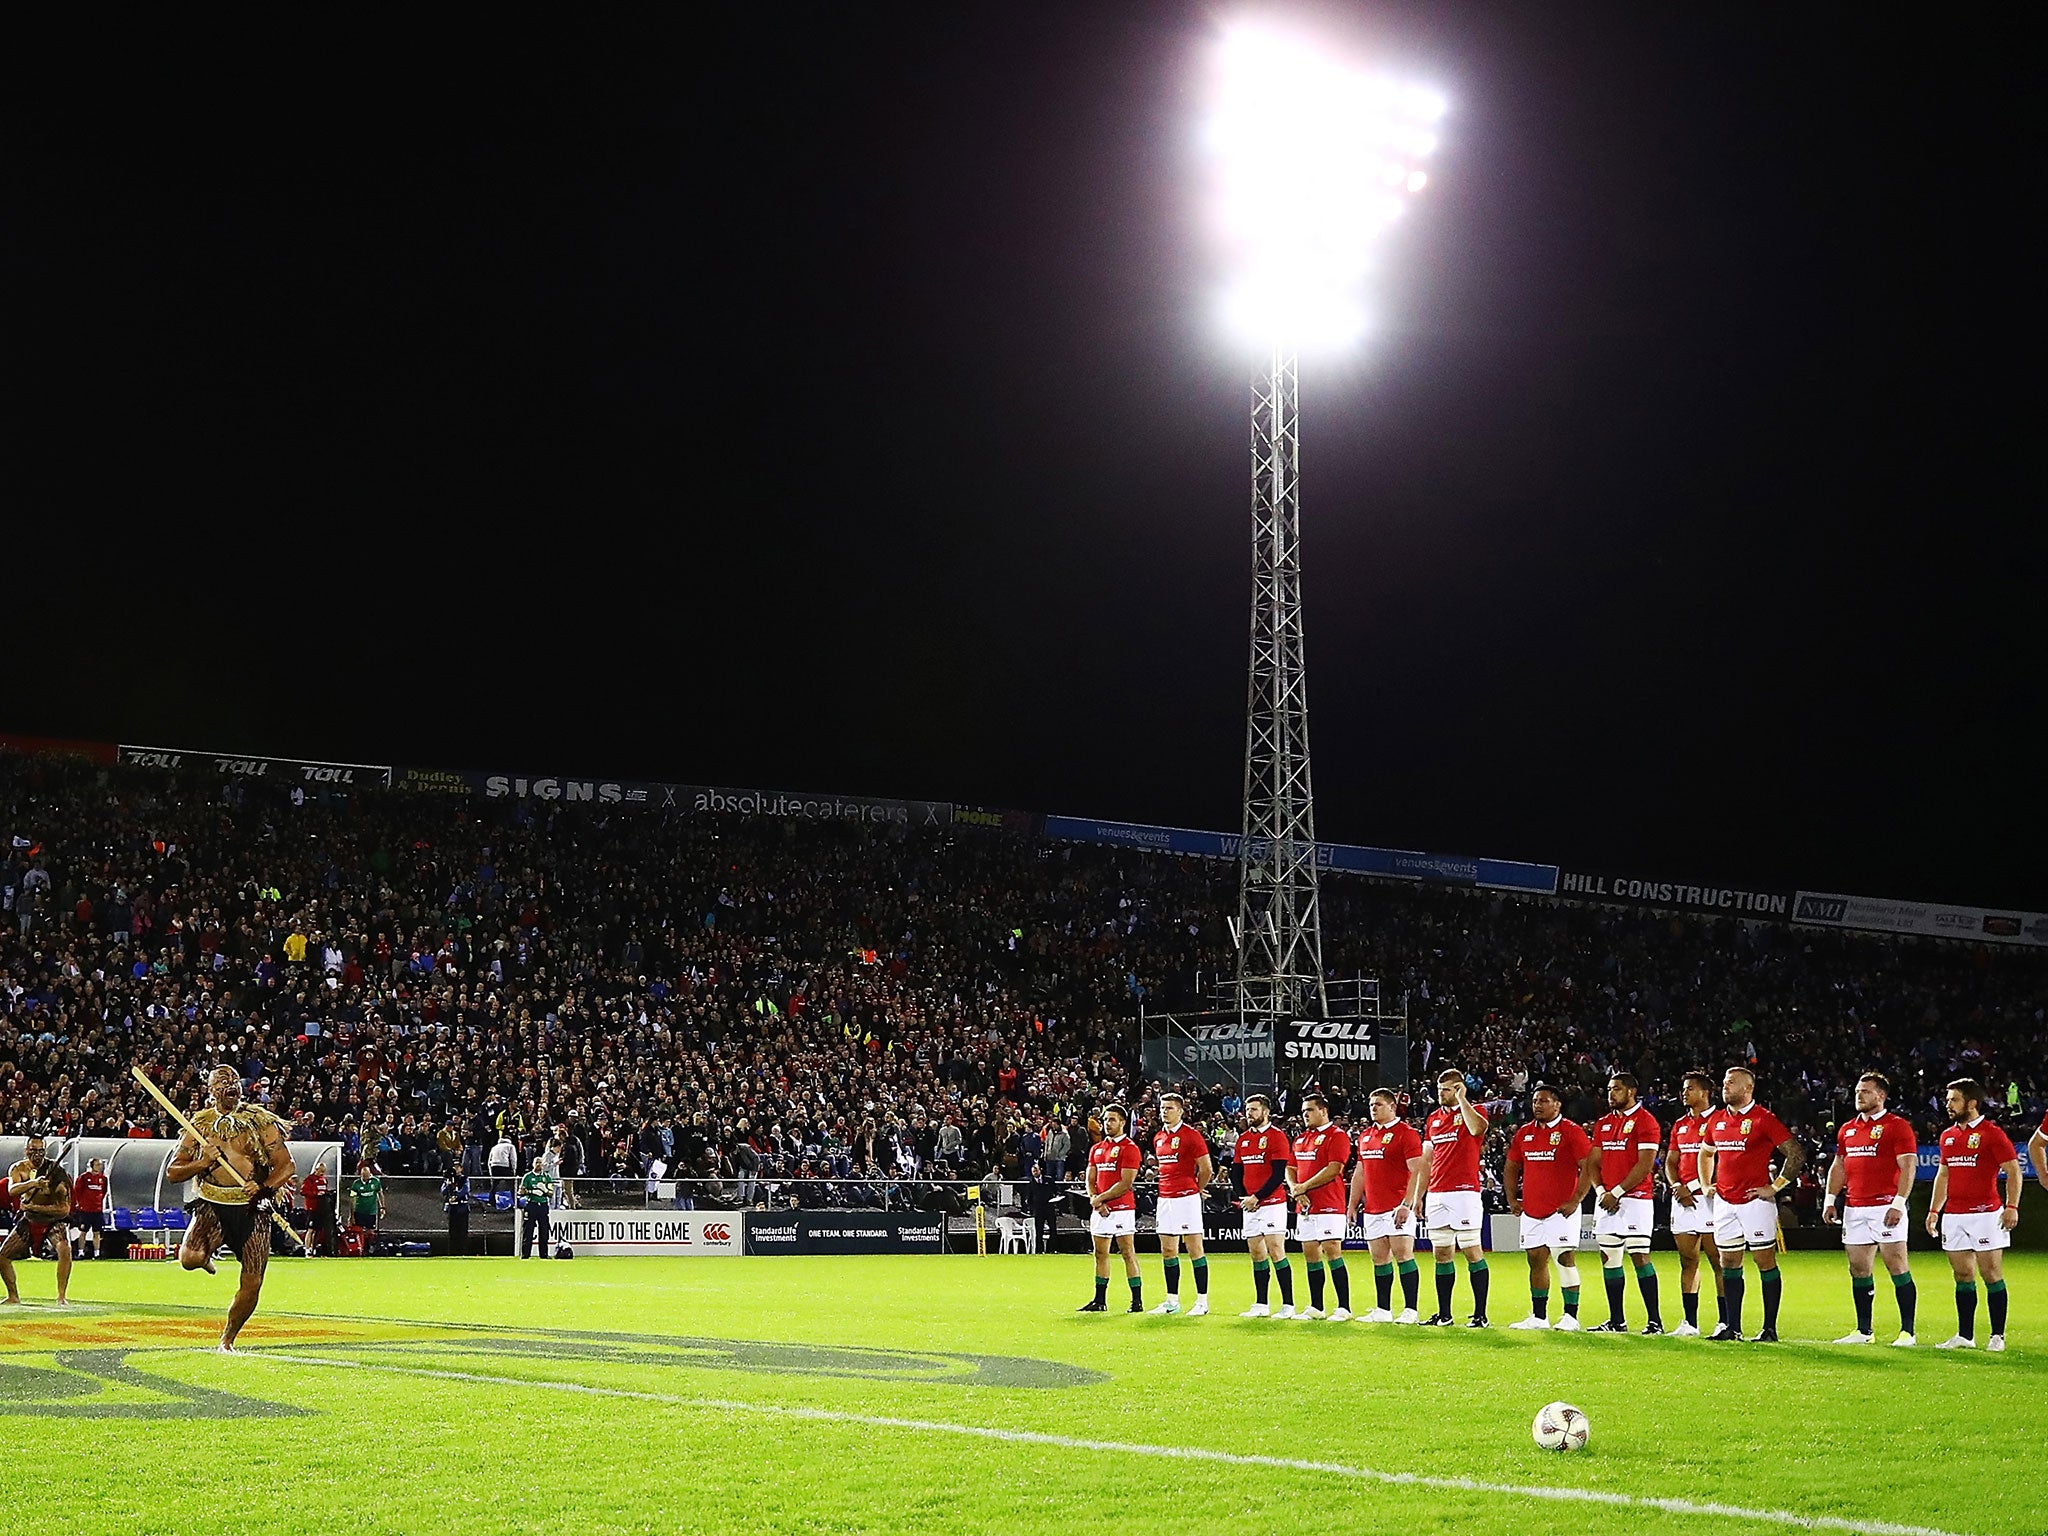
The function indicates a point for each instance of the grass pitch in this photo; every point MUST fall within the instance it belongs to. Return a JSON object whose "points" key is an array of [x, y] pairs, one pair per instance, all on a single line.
{"points": [[954, 1394]]}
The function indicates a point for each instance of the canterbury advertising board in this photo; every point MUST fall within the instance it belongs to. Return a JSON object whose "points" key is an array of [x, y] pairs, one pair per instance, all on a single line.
{"points": [[1974, 925], [814, 1232], [677, 1234], [281, 770]]}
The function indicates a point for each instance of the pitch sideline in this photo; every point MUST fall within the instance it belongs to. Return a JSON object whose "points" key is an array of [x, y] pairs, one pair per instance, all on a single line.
{"points": [[1784, 1517]]}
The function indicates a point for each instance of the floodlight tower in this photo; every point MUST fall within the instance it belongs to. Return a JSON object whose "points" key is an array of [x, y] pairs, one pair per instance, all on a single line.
{"points": [[1314, 158]]}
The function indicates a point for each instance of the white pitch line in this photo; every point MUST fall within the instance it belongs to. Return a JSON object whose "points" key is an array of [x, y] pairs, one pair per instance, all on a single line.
{"points": [[1136, 1448]]}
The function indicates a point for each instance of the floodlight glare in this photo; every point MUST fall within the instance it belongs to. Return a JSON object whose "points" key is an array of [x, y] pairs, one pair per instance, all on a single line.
{"points": [[1313, 159]]}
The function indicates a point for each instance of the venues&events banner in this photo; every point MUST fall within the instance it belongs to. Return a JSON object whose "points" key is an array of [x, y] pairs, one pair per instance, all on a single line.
{"points": [[1348, 858]]}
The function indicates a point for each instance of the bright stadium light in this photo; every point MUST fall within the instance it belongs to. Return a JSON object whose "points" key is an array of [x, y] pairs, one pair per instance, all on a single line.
{"points": [[1313, 158]]}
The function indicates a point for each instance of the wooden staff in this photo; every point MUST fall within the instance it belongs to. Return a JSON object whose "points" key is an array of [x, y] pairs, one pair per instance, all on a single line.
{"points": [[192, 1130]]}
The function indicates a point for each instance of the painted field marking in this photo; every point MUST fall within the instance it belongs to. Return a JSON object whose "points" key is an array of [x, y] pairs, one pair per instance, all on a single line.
{"points": [[1785, 1517]]}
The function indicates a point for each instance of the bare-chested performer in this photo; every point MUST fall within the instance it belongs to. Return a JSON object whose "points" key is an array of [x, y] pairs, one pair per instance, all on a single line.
{"points": [[42, 1186], [251, 1140]]}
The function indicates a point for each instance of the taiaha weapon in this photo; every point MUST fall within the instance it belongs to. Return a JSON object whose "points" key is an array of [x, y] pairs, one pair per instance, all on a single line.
{"points": [[192, 1130]]}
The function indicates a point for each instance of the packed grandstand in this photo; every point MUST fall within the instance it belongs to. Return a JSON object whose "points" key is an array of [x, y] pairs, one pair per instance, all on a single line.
{"points": [[748, 998]]}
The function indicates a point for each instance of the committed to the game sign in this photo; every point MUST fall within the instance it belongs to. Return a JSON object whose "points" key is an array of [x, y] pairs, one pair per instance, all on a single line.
{"points": [[605, 1234]]}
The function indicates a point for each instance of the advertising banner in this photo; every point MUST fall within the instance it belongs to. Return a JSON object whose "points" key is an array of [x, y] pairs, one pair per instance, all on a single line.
{"points": [[1349, 858], [782, 804], [655, 1234], [284, 770], [1326, 1040], [1212, 1048], [1631, 890], [1977, 925], [812, 1232], [52, 746]]}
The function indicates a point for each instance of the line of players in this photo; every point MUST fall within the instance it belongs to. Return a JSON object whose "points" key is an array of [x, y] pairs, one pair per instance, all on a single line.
{"points": [[1717, 1164]]}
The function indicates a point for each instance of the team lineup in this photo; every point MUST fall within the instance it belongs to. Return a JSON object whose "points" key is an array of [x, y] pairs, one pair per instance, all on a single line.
{"points": [[1724, 1166], [1718, 1164]]}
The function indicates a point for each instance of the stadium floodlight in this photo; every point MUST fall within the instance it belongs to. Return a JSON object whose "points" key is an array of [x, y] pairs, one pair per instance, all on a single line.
{"points": [[1314, 158]]}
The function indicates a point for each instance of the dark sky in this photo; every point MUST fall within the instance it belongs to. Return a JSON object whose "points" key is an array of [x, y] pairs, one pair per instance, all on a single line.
{"points": [[826, 397]]}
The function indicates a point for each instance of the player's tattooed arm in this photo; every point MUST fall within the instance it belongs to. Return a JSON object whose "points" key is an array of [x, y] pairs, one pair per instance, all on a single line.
{"points": [[1793, 1165]]}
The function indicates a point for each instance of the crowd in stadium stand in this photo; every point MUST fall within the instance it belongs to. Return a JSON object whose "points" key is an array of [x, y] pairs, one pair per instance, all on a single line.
{"points": [[748, 1002]]}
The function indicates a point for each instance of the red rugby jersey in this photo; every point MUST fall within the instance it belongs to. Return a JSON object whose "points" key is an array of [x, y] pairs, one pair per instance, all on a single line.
{"points": [[1973, 1154], [1110, 1159], [1870, 1149], [1313, 1152], [1622, 1135], [1743, 1145], [1453, 1151], [1384, 1153], [1550, 1156], [1179, 1152], [1257, 1153], [1688, 1135]]}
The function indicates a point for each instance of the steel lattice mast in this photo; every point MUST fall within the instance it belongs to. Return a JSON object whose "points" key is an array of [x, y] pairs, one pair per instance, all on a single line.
{"points": [[1279, 918]]}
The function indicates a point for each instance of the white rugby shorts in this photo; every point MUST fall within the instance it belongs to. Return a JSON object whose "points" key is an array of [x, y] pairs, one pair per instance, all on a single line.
{"points": [[1112, 1223], [1267, 1220], [1560, 1234], [1634, 1219], [1863, 1225], [1180, 1215], [1317, 1227], [1382, 1224], [1697, 1220], [1746, 1224], [1457, 1209], [1972, 1232]]}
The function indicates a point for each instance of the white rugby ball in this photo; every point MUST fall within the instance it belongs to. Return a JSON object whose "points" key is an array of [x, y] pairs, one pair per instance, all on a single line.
{"points": [[1561, 1427]]}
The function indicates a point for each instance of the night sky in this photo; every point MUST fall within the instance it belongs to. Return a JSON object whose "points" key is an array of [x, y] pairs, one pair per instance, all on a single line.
{"points": [[830, 398]]}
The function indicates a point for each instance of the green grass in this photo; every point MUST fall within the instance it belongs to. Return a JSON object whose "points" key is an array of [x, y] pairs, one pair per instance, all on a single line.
{"points": [[135, 1424]]}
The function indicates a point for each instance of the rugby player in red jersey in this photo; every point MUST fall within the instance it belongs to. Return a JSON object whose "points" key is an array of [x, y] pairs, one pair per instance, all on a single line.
{"points": [[1877, 1158], [1454, 1134], [1692, 1203], [1386, 1188], [1182, 1155], [1736, 1160], [1316, 1185], [1965, 1211], [1548, 1172], [1113, 1164], [1622, 1168], [1258, 1169]]}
